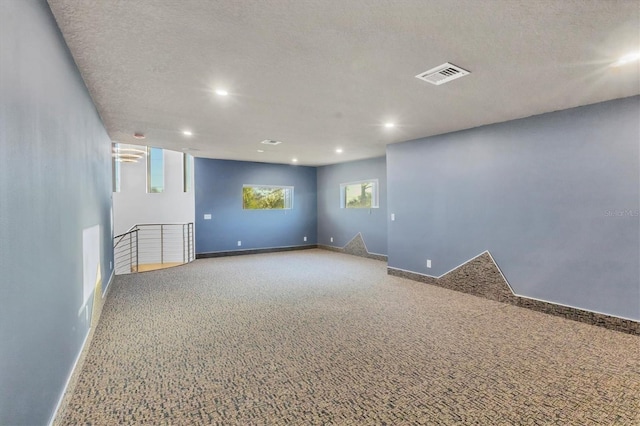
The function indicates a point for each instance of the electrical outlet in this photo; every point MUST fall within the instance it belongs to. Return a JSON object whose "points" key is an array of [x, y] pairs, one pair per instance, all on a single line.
{"points": [[393, 217], [110, 265], [331, 239], [207, 216], [239, 243], [305, 238], [428, 263]]}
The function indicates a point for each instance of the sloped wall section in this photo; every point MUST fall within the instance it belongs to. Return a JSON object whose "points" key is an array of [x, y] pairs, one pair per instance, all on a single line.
{"points": [[482, 277], [356, 247], [553, 197]]}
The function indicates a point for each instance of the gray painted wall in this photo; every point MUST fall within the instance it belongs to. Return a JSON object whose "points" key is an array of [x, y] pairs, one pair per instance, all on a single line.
{"points": [[54, 182], [344, 224], [218, 192], [554, 198]]}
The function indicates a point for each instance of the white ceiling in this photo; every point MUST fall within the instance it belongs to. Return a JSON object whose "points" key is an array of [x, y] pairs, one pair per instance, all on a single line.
{"points": [[322, 74]]}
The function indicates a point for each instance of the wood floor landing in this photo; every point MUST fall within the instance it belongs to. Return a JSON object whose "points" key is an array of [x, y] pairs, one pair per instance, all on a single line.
{"points": [[155, 266]]}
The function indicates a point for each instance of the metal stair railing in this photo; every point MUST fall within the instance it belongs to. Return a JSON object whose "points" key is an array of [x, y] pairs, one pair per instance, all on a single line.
{"points": [[153, 244]]}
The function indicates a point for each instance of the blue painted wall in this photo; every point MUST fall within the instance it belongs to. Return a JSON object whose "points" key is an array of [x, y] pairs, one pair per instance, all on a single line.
{"points": [[218, 191], [554, 198], [344, 224], [55, 181]]}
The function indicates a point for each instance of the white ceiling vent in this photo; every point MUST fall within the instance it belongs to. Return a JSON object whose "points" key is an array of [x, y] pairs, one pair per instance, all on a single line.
{"points": [[442, 74], [270, 142]]}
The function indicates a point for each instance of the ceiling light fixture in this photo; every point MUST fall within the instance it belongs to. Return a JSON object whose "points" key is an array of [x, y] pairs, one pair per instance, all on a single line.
{"points": [[294, 160], [139, 135], [339, 150], [631, 57], [389, 125], [187, 132], [261, 150], [129, 156], [127, 150], [124, 154], [221, 92]]}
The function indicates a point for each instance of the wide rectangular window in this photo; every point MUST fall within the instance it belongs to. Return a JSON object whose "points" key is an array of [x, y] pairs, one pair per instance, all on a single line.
{"points": [[361, 194], [187, 167], [267, 197], [155, 170]]}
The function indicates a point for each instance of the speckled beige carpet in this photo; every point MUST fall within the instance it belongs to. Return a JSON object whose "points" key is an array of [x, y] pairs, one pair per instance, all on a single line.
{"points": [[320, 338]]}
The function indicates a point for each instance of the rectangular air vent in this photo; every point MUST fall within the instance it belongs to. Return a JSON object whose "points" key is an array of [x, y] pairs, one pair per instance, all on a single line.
{"points": [[270, 142], [442, 74]]}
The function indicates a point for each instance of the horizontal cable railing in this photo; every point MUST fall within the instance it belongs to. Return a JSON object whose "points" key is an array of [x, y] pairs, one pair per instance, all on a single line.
{"points": [[153, 245]]}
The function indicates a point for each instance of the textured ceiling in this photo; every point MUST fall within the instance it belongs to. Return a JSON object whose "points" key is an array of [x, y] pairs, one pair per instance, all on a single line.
{"points": [[322, 74]]}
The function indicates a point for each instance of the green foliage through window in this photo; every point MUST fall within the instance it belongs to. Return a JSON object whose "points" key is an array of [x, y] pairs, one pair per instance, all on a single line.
{"points": [[267, 197], [362, 194]]}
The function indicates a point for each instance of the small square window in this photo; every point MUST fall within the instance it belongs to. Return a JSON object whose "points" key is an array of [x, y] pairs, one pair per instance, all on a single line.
{"points": [[359, 195]]}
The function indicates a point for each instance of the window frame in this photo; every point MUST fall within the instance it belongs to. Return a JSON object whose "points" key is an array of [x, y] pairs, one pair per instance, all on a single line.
{"points": [[287, 199], [375, 194], [116, 183], [150, 167], [187, 172]]}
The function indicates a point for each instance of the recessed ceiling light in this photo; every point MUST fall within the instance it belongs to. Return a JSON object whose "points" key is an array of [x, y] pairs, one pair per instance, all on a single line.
{"points": [[294, 160], [631, 57], [138, 135], [339, 150], [221, 92], [261, 150], [389, 125], [187, 132]]}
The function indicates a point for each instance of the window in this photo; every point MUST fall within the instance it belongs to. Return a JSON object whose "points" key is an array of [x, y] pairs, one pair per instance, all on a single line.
{"points": [[187, 164], [361, 194], [267, 197], [155, 170], [115, 168]]}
